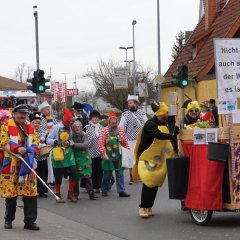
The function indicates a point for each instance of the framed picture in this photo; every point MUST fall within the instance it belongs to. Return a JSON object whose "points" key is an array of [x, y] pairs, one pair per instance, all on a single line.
{"points": [[211, 135], [199, 136]]}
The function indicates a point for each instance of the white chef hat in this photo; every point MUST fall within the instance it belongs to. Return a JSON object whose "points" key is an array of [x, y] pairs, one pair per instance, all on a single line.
{"points": [[133, 98], [43, 105]]}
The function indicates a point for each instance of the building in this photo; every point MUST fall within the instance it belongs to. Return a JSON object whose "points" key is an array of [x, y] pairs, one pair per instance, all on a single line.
{"points": [[221, 19]]}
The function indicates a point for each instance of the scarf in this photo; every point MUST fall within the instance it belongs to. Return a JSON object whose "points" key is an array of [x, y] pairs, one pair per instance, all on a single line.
{"points": [[49, 120], [97, 129]]}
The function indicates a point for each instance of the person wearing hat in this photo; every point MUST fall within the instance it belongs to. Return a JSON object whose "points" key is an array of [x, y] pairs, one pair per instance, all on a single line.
{"points": [[152, 148], [79, 113], [206, 115], [18, 136], [214, 109], [132, 121], [47, 122], [42, 167], [93, 130], [111, 138], [193, 111], [61, 136]]}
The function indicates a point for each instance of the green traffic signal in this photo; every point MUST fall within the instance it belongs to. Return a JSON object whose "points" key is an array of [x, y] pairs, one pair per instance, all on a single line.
{"points": [[38, 82], [181, 77]]}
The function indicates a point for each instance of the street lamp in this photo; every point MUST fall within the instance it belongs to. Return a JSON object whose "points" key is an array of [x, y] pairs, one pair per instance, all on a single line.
{"points": [[159, 97], [126, 49], [134, 22]]}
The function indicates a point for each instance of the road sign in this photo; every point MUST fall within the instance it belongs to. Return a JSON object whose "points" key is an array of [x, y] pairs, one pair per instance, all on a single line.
{"points": [[120, 78], [72, 92], [143, 91], [159, 78]]}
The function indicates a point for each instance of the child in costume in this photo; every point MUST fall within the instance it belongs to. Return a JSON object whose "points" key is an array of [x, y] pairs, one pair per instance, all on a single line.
{"points": [[82, 158]]}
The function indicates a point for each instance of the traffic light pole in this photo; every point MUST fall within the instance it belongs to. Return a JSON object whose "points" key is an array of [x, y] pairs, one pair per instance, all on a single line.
{"points": [[183, 96], [35, 14]]}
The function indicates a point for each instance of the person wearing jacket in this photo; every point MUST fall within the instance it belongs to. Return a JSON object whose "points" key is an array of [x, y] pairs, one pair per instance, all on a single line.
{"points": [[152, 148], [16, 179], [60, 136], [82, 158], [93, 130], [112, 137]]}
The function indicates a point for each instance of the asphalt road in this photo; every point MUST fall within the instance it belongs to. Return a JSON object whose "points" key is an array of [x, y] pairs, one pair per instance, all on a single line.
{"points": [[119, 217]]}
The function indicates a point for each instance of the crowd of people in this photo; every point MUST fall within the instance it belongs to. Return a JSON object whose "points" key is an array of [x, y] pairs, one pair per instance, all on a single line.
{"points": [[86, 153]]}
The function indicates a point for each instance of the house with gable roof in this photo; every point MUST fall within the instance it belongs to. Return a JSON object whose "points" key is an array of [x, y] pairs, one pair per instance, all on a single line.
{"points": [[221, 19]]}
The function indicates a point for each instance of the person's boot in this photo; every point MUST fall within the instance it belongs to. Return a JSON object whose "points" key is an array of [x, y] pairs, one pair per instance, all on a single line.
{"points": [[31, 226], [60, 200], [8, 224], [92, 196], [143, 213], [150, 212], [72, 197]]}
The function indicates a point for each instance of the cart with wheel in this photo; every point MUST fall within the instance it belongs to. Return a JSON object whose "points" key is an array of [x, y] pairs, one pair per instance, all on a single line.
{"points": [[212, 185]]}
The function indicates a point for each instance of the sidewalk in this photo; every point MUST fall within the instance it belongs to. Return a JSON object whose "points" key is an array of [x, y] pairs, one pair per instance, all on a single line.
{"points": [[52, 227]]}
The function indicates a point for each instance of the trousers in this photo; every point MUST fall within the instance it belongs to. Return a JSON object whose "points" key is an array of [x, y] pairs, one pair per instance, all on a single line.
{"points": [[148, 196], [30, 209]]}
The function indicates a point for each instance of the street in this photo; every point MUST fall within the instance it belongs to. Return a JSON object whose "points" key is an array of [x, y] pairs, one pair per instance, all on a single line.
{"points": [[119, 217]]}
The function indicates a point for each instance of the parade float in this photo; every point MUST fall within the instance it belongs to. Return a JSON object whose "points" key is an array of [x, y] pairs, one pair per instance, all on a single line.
{"points": [[207, 173]]}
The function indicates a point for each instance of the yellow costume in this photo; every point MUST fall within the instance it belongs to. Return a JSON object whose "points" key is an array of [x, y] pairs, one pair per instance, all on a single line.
{"points": [[152, 166]]}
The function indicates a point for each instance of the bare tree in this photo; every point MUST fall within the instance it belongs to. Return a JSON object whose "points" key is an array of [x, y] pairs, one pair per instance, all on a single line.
{"points": [[23, 72], [103, 79]]}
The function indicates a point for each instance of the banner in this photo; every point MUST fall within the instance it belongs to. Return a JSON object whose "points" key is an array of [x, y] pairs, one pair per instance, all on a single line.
{"points": [[227, 65], [72, 92]]}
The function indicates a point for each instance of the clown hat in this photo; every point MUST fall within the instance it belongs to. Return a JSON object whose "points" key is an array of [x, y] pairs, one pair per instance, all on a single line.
{"points": [[112, 114]]}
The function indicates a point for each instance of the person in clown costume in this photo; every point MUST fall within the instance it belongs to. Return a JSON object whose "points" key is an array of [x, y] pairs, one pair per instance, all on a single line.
{"points": [[82, 158], [16, 179], [112, 137], [60, 136], [153, 147]]}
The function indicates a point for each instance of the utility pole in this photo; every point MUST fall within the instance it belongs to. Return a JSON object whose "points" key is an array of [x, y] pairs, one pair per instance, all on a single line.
{"points": [[35, 14], [159, 89], [134, 22]]}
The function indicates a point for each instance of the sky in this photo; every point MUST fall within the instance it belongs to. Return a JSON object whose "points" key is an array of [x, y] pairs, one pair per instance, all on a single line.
{"points": [[75, 34]]}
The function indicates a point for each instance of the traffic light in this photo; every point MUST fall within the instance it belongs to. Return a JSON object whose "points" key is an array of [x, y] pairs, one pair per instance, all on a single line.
{"points": [[41, 81], [38, 82], [34, 83], [181, 76]]}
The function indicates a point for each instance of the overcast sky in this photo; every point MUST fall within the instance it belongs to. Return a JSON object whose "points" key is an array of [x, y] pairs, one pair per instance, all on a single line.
{"points": [[75, 34]]}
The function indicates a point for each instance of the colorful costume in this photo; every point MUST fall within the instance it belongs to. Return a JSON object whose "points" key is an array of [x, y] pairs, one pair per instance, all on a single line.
{"points": [[83, 162], [110, 141], [16, 178], [57, 137], [11, 140], [47, 122]]}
